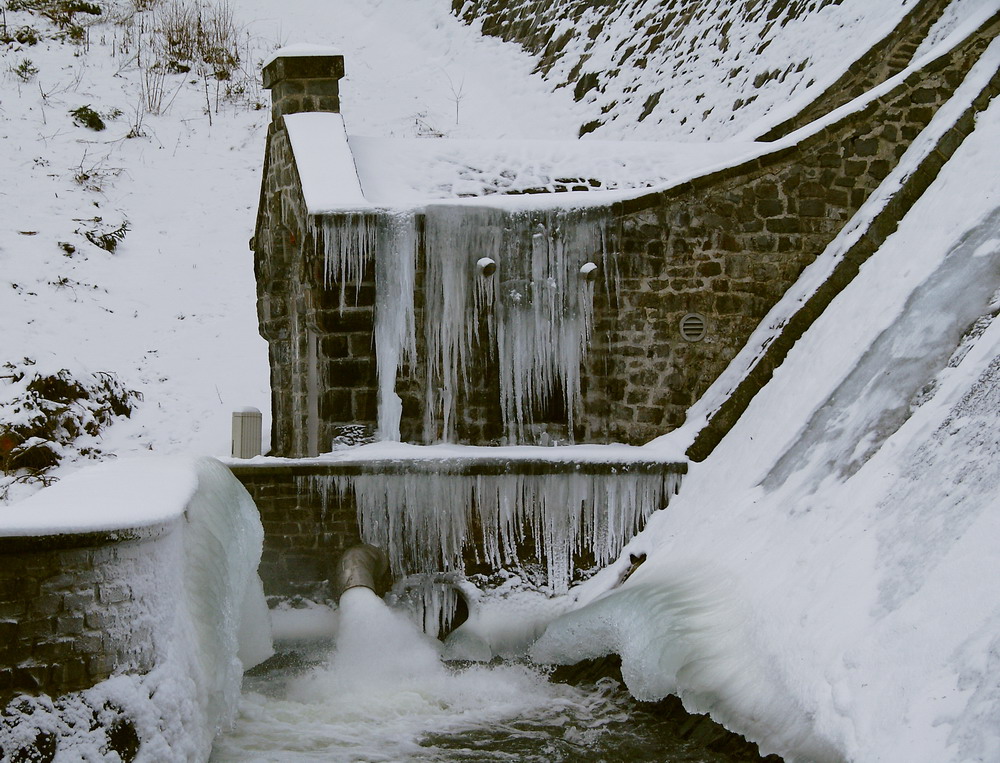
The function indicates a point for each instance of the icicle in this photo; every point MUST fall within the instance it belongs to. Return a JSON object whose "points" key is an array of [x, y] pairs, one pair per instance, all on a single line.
{"points": [[455, 239], [431, 599], [395, 340], [536, 308], [348, 242], [431, 521]]}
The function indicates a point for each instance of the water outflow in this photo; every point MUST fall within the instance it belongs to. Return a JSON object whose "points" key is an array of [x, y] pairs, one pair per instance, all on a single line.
{"points": [[431, 521], [530, 311], [383, 694]]}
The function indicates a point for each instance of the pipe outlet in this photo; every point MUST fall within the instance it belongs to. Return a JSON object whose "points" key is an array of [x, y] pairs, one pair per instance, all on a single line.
{"points": [[362, 566], [487, 266]]}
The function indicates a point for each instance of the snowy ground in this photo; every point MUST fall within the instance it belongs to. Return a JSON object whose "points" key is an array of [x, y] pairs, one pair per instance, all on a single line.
{"points": [[172, 311]]}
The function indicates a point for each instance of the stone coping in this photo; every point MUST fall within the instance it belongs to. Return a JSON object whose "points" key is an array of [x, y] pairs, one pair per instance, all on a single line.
{"points": [[21, 544], [457, 466]]}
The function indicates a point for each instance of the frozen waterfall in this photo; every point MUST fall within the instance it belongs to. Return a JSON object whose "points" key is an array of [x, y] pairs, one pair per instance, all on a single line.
{"points": [[530, 313], [433, 519]]}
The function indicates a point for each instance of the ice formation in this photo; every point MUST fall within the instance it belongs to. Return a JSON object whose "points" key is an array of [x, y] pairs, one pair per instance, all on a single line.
{"points": [[857, 528], [348, 242], [531, 311], [534, 313], [395, 333], [429, 522]]}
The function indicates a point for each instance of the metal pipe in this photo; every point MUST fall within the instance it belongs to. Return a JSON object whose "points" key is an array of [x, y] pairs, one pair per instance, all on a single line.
{"points": [[365, 566]]}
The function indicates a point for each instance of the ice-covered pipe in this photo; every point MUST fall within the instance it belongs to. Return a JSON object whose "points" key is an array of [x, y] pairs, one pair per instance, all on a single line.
{"points": [[362, 566], [487, 266], [588, 271]]}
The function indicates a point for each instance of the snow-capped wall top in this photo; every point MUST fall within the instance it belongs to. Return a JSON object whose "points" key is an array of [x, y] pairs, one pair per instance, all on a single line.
{"points": [[303, 50], [325, 163], [416, 170], [114, 495]]}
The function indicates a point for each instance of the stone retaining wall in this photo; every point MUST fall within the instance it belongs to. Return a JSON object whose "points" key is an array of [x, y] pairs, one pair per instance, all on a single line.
{"points": [[724, 246], [308, 522], [729, 245], [70, 614], [305, 532]]}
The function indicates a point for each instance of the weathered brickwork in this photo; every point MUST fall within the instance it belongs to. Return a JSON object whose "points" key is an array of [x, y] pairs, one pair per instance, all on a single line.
{"points": [[304, 83], [540, 27], [319, 338], [729, 245], [881, 227], [885, 59], [76, 609], [305, 530]]}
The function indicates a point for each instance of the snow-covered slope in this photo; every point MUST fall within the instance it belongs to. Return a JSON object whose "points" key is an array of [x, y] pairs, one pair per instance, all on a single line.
{"points": [[824, 582], [666, 70]]}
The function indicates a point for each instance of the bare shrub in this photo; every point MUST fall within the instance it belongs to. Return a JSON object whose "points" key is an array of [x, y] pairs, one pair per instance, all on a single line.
{"points": [[47, 417]]}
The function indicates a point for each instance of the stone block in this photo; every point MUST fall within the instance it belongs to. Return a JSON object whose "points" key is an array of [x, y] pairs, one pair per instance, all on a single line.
{"points": [[770, 207], [812, 207], [783, 225]]}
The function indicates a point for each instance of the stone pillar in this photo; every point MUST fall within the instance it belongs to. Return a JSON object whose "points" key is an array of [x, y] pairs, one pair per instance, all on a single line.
{"points": [[303, 81]]}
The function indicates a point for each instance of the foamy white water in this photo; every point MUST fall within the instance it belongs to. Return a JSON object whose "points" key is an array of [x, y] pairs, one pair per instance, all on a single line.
{"points": [[383, 694]]}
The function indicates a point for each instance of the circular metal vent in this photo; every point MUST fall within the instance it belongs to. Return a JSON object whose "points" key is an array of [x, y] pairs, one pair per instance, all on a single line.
{"points": [[693, 327]]}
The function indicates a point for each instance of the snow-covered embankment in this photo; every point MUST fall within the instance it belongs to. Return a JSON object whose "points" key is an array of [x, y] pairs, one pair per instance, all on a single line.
{"points": [[823, 584]]}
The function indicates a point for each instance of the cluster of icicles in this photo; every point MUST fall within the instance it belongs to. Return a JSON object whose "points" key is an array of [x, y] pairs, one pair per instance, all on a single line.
{"points": [[435, 521], [534, 314]]}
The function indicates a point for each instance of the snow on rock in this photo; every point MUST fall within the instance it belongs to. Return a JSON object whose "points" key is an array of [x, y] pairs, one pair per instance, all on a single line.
{"points": [[852, 513], [710, 70]]}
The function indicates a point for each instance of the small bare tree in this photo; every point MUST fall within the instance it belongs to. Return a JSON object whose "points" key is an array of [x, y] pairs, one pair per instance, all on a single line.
{"points": [[457, 93]]}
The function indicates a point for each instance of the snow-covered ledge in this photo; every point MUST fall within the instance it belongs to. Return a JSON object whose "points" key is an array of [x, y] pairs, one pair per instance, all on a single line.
{"points": [[130, 585]]}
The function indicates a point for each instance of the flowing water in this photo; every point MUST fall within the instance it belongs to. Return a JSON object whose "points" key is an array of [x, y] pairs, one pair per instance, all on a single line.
{"points": [[382, 693]]}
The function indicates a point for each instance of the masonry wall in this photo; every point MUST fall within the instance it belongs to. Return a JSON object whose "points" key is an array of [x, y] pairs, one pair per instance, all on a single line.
{"points": [[730, 244], [305, 531], [323, 373], [76, 608], [726, 246]]}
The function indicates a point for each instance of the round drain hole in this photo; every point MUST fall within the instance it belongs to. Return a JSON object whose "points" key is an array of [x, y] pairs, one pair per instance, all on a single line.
{"points": [[693, 327]]}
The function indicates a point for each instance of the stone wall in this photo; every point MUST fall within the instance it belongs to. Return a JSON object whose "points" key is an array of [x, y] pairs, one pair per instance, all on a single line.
{"points": [[728, 245], [887, 58], [305, 530], [881, 227], [323, 373], [607, 48], [70, 609], [725, 246]]}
